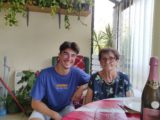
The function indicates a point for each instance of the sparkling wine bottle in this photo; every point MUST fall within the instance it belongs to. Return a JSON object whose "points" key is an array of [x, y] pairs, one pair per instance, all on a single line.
{"points": [[150, 107]]}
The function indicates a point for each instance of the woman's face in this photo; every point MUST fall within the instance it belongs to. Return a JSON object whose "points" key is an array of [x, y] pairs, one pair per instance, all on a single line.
{"points": [[108, 61]]}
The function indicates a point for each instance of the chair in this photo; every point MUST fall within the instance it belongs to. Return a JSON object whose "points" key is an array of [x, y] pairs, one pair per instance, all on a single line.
{"points": [[81, 62]]}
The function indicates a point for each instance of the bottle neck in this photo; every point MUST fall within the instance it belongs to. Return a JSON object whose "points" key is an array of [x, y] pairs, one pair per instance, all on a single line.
{"points": [[153, 73]]}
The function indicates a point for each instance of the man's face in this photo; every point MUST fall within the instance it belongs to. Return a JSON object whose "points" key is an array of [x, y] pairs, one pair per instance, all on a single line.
{"points": [[67, 58]]}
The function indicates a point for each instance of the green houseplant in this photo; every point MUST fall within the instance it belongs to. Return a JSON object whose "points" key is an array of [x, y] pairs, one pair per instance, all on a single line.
{"points": [[13, 7], [103, 39], [27, 81], [22, 6], [71, 6], [11, 105]]}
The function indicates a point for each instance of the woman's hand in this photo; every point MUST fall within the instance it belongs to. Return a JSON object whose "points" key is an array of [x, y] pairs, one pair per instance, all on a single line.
{"points": [[89, 96]]}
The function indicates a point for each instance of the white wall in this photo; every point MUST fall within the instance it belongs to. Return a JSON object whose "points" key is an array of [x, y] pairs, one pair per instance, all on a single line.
{"points": [[32, 47], [156, 31]]}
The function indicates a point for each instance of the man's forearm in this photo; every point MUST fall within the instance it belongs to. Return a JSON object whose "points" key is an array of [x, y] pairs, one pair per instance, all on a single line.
{"points": [[42, 108]]}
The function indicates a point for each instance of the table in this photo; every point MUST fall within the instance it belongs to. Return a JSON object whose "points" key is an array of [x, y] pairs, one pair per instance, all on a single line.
{"points": [[107, 109]]}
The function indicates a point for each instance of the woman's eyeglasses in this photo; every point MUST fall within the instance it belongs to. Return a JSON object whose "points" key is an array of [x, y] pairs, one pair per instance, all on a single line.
{"points": [[110, 59]]}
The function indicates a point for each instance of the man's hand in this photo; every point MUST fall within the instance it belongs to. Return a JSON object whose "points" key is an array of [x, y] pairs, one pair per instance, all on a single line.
{"points": [[43, 108], [56, 116], [78, 94]]}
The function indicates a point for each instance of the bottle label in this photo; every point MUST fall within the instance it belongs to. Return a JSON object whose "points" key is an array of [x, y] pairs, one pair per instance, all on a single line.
{"points": [[155, 104], [153, 84], [151, 114]]}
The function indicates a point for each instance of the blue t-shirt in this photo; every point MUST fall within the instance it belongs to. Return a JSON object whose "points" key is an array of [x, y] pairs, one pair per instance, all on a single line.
{"points": [[56, 90], [103, 90]]}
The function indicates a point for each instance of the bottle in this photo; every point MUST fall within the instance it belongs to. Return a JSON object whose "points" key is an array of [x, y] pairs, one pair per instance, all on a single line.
{"points": [[150, 106]]}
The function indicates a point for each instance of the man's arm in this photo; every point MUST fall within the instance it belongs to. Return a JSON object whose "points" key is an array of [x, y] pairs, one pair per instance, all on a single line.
{"points": [[42, 108]]}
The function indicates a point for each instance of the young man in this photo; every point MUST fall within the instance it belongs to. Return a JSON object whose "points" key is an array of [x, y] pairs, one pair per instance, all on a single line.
{"points": [[56, 87]]}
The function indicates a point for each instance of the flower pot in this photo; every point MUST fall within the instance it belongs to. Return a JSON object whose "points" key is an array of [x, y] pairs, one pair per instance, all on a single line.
{"points": [[3, 110], [27, 106], [12, 108]]}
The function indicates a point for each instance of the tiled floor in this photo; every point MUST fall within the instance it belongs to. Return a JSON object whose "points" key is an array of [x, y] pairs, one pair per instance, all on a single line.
{"points": [[17, 116]]}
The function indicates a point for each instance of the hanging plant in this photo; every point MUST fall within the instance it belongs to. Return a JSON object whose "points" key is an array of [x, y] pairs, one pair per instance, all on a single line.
{"points": [[54, 7], [67, 24], [15, 7]]}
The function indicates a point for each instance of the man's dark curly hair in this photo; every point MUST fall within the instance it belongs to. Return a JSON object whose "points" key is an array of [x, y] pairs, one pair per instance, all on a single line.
{"points": [[71, 45]]}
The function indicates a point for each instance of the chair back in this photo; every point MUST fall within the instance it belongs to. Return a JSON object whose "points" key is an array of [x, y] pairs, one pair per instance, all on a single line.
{"points": [[81, 62]]}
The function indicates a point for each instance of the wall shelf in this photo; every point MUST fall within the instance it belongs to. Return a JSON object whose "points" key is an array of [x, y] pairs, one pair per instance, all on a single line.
{"points": [[62, 11], [48, 10], [12, 20]]}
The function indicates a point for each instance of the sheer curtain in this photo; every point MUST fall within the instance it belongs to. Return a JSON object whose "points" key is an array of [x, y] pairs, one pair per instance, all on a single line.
{"points": [[134, 38]]}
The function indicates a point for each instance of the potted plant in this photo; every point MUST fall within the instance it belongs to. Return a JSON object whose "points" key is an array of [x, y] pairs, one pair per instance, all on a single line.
{"points": [[27, 81], [3, 110], [11, 105], [71, 6], [22, 7]]}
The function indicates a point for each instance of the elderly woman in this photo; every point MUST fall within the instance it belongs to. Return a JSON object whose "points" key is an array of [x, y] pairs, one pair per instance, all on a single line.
{"points": [[108, 83]]}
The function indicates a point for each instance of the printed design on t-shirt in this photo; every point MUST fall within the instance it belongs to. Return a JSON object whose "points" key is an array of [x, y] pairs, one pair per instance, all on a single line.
{"points": [[62, 86]]}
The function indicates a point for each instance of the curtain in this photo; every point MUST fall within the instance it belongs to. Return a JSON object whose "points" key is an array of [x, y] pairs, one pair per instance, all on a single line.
{"points": [[133, 35]]}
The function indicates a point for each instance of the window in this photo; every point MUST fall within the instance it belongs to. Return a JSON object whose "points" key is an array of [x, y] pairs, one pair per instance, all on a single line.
{"points": [[134, 41], [132, 35], [102, 35]]}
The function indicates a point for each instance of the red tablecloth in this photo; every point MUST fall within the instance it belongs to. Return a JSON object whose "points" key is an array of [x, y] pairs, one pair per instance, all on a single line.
{"points": [[102, 110]]}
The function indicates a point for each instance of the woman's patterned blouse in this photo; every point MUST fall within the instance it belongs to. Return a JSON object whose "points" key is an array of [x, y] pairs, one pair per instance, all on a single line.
{"points": [[103, 90]]}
